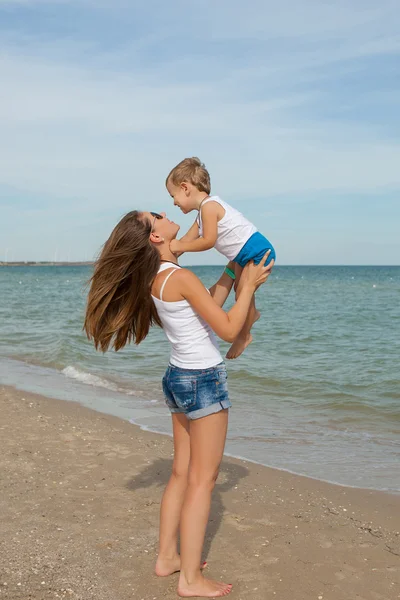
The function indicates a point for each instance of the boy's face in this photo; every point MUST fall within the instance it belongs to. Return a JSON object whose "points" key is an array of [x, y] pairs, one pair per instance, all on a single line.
{"points": [[181, 195]]}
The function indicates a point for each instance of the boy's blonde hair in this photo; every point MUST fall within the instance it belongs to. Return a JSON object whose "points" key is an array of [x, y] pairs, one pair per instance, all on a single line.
{"points": [[193, 171]]}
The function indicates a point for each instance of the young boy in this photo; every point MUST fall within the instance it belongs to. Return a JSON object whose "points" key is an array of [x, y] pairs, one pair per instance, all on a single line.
{"points": [[219, 226]]}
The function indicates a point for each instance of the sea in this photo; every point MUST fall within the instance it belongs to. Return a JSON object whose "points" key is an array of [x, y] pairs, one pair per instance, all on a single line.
{"points": [[317, 392]]}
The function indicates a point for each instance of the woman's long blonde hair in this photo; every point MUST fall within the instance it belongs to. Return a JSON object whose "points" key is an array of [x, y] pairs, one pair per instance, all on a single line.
{"points": [[120, 307]]}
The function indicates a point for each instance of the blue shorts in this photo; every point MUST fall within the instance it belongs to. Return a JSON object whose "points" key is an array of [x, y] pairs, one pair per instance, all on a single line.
{"points": [[254, 249], [196, 392]]}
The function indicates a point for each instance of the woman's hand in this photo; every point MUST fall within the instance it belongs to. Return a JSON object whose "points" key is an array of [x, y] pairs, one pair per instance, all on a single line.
{"points": [[255, 275]]}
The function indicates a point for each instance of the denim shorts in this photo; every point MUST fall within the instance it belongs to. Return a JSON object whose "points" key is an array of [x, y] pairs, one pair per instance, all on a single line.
{"points": [[196, 392]]}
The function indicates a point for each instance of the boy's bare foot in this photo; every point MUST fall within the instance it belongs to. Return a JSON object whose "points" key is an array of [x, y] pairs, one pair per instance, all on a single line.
{"points": [[168, 566], [238, 346], [241, 342], [204, 588]]}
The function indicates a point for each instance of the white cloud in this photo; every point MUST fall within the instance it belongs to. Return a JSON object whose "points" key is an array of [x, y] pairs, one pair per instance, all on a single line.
{"points": [[34, 3], [86, 133], [246, 88]]}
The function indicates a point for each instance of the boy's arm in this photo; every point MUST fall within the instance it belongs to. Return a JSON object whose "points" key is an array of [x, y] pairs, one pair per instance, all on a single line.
{"points": [[192, 234], [189, 236], [209, 216]]}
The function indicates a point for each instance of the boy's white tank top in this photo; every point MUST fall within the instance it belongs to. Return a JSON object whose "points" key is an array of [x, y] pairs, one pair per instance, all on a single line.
{"points": [[234, 230], [193, 343]]}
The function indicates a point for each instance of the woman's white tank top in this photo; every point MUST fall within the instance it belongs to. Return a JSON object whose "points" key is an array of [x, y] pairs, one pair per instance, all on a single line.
{"points": [[193, 343], [234, 230]]}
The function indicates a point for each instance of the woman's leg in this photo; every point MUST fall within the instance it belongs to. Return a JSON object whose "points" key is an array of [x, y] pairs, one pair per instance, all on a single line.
{"points": [[168, 560], [207, 442], [244, 337]]}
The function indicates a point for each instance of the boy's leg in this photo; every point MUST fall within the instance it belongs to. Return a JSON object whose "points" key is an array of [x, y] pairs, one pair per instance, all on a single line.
{"points": [[244, 338], [238, 273]]}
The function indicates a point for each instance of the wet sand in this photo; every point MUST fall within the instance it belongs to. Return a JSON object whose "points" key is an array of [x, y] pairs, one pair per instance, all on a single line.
{"points": [[80, 495]]}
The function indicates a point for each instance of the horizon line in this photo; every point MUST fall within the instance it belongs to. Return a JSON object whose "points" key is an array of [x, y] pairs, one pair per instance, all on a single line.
{"points": [[77, 263]]}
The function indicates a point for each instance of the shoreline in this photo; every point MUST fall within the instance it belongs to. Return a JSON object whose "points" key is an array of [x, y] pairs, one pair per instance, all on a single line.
{"points": [[104, 409], [80, 516]]}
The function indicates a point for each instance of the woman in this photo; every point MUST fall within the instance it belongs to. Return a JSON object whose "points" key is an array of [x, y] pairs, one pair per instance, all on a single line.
{"points": [[137, 282]]}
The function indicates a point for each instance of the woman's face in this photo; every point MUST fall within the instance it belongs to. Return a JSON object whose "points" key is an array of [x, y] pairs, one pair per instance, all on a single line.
{"points": [[163, 227]]}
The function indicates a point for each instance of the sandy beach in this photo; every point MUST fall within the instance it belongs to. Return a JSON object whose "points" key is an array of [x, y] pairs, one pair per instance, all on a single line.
{"points": [[79, 516]]}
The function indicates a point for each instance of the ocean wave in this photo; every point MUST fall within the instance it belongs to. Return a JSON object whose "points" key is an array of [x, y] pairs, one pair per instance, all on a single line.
{"points": [[88, 378], [96, 381], [357, 409]]}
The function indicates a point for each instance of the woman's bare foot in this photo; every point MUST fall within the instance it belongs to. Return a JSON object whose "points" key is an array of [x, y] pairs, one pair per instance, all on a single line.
{"points": [[203, 588], [238, 346], [168, 566]]}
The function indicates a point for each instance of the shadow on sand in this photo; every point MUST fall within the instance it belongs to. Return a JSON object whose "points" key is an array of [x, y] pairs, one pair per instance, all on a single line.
{"points": [[158, 473]]}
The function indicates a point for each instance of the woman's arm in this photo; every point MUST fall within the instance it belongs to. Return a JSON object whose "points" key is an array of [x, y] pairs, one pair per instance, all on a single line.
{"points": [[222, 288], [209, 216], [225, 324]]}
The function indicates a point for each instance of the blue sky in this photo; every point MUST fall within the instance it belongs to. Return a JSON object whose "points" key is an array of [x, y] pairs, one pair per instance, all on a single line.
{"points": [[293, 106]]}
